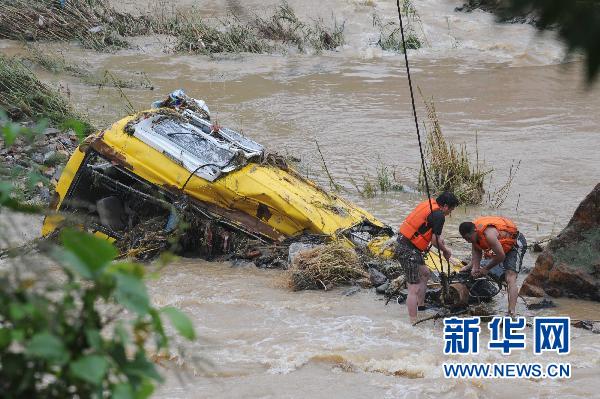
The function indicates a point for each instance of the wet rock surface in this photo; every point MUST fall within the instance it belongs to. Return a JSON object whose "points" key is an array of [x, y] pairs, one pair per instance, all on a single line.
{"points": [[570, 264], [500, 8]]}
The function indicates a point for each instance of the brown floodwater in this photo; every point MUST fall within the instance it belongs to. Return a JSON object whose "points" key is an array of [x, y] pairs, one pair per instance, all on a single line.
{"points": [[503, 84]]}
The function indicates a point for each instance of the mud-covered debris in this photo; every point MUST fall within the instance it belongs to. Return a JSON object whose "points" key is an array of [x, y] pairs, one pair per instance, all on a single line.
{"points": [[541, 304], [377, 278], [590, 325], [325, 267]]}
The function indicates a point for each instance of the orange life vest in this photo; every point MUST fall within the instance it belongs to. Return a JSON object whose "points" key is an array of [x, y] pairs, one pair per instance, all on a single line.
{"points": [[507, 232], [415, 227]]}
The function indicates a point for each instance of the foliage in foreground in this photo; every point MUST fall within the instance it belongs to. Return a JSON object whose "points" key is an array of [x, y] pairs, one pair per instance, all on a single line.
{"points": [[64, 338], [84, 329]]}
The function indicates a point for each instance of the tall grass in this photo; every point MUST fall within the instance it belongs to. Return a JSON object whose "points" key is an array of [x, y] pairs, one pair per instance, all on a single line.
{"points": [[261, 34], [53, 61], [195, 35], [23, 95], [449, 166], [390, 36], [91, 22]]}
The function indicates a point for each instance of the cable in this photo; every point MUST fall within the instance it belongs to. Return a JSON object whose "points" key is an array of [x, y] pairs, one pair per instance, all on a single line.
{"points": [[414, 108]]}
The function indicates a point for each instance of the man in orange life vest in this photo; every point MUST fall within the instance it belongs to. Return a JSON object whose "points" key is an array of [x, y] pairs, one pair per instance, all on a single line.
{"points": [[420, 229], [498, 240]]}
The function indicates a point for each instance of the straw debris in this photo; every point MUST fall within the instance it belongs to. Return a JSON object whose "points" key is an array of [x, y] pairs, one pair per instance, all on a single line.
{"points": [[324, 267]]}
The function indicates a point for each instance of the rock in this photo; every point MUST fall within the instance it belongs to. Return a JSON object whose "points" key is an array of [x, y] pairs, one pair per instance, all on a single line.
{"points": [[350, 291], [502, 10], [44, 195], [48, 155], [37, 158], [589, 325], [242, 263], [382, 288], [541, 304], [570, 264], [51, 131], [57, 173], [49, 172], [377, 278]]}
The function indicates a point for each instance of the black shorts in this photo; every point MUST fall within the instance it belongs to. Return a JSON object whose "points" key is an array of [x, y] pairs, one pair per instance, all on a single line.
{"points": [[513, 259], [410, 259]]}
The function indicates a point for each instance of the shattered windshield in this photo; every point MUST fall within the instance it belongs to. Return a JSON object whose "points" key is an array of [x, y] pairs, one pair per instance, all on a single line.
{"points": [[201, 152]]}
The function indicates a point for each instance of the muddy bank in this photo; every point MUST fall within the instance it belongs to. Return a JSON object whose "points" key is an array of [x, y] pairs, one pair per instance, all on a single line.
{"points": [[570, 265]]}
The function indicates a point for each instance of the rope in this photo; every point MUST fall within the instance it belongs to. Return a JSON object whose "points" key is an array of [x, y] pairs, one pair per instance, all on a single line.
{"points": [[414, 108]]}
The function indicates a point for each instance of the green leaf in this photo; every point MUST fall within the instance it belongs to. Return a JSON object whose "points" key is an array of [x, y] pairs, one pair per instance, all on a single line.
{"points": [[94, 339], [90, 255], [122, 391], [141, 367], [10, 132], [80, 128], [161, 338], [180, 321], [131, 293], [19, 311], [47, 346], [134, 269], [5, 337], [121, 332], [90, 368], [145, 389]]}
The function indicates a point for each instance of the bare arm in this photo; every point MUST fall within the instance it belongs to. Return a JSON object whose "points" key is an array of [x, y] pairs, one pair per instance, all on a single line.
{"points": [[491, 235], [440, 243], [475, 259]]}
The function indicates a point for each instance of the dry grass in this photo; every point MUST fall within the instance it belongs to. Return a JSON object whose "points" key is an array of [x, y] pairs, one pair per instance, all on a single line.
{"points": [[24, 96], [324, 267], [449, 167], [91, 22], [195, 35], [259, 35], [53, 61]]}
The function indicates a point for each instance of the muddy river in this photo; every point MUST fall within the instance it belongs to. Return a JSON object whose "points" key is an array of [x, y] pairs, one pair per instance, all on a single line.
{"points": [[503, 83]]}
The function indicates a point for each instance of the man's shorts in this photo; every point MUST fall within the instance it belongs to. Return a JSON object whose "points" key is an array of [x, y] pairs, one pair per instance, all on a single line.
{"points": [[410, 258], [513, 260]]}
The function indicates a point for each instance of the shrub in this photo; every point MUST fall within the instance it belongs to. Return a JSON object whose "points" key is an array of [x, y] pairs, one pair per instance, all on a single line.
{"points": [[65, 332]]}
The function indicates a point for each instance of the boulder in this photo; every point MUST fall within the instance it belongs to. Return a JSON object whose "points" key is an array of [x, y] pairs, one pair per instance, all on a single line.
{"points": [[570, 264], [377, 278]]}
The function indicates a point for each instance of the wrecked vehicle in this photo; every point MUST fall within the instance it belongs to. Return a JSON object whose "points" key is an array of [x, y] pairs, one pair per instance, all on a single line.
{"points": [[171, 179]]}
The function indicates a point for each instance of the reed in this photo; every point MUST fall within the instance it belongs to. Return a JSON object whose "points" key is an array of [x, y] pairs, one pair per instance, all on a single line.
{"points": [[449, 166]]}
